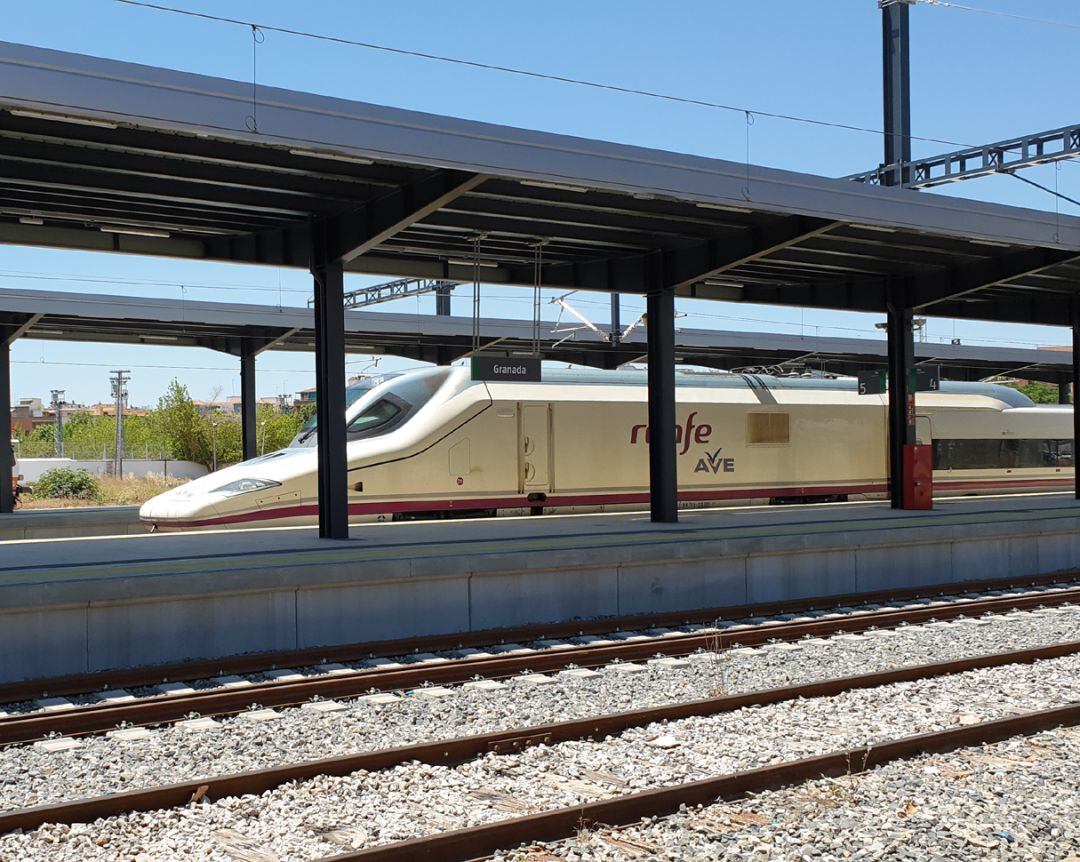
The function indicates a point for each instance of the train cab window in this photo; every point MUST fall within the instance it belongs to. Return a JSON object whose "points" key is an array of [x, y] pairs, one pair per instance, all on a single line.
{"points": [[377, 418], [768, 429]]}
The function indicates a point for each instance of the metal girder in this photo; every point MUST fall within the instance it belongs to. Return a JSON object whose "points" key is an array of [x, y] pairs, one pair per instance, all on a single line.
{"points": [[358, 232], [963, 281], [255, 342], [1004, 156], [203, 194], [350, 234], [682, 267], [400, 289], [14, 326]]}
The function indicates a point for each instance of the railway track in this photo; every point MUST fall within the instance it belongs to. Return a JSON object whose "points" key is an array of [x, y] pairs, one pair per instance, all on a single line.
{"points": [[481, 842], [461, 749], [101, 717], [87, 683]]}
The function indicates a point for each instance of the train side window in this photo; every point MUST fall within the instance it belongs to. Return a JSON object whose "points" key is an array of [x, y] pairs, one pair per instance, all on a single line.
{"points": [[768, 429], [1001, 454]]}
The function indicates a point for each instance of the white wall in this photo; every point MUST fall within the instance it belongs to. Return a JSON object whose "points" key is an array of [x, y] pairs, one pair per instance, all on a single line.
{"points": [[32, 468]]}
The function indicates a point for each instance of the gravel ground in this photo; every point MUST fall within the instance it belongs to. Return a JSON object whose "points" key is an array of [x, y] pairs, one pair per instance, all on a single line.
{"points": [[323, 816], [1003, 801], [99, 765]]}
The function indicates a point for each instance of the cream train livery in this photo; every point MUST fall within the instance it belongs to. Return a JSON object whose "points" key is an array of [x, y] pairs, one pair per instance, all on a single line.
{"points": [[433, 443]]}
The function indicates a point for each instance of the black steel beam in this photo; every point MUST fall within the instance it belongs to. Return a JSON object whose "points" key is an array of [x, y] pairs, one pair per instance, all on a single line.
{"points": [[1064, 387], [955, 284], [333, 461], [248, 426], [7, 497], [90, 181], [663, 462], [896, 85], [901, 410], [357, 232], [1074, 315], [686, 266]]}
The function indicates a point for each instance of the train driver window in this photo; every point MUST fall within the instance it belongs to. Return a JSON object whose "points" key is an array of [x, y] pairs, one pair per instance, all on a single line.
{"points": [[377, 418]]}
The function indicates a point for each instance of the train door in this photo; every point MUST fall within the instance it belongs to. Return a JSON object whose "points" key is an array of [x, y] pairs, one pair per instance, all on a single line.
{"points": [[535, 447], [923, 430]]}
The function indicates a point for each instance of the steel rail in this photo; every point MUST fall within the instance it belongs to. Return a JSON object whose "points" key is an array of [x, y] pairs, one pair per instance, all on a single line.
{"points": [[96, 718], [461, 749], [11, 692], [478, 842]]}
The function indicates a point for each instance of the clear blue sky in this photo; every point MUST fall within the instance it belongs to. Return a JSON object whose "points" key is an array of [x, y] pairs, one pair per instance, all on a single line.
{"points": [[976, 78]]}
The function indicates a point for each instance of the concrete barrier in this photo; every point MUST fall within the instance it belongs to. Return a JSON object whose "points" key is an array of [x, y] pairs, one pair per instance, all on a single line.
{"points": [[32, 469], [79, 522], [109, 603]]}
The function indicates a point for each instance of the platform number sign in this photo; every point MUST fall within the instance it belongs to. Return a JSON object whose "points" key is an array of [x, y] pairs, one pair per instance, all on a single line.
{"points": [[922, 379]]}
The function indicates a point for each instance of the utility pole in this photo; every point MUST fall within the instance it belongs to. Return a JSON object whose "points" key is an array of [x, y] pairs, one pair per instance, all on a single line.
{"points": [[896, 68], [213, 445], [119, 392], [58, 421]]}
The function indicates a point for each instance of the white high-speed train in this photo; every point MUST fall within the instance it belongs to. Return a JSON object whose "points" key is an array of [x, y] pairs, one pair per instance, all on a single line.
{"points": [[434, 443]]}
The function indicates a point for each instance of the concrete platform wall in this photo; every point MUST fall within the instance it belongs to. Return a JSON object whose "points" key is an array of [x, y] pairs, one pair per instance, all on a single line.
{"points": [[222, 610], [70, 523]]}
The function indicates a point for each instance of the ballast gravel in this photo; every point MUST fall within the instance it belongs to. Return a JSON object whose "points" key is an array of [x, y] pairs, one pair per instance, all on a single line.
{"points": [[30, 775], [1013, 800], [324, 816]]}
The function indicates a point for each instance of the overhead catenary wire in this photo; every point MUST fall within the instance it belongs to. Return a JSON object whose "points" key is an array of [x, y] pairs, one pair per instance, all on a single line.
{"points": [[530, 73], [999, 13]]}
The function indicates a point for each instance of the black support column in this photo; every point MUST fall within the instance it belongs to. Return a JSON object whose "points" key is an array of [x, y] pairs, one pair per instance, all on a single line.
{"points": [[1075, 316], [330, 393], [1064, 391], [7, 498], [616, 323], [896, 74], [663, 464], [901, 395], [249, 430]]}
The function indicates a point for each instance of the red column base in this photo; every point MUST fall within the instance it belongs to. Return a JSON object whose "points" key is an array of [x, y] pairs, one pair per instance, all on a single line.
{"points": [[918, 476]]}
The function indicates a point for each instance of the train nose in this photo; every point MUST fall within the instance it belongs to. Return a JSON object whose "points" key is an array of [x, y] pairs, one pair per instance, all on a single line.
{"points": [[175, 511]]}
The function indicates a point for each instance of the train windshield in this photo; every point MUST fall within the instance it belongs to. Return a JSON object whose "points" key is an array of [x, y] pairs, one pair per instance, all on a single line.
{"points": [[379, 405]]}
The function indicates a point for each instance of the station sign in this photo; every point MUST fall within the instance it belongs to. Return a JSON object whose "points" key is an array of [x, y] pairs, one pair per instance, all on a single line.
{"points": [[922, 379], [506, 369]]}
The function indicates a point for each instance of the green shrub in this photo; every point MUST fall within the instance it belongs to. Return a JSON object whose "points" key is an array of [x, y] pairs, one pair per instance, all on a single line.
{"points": [[67, 483]]}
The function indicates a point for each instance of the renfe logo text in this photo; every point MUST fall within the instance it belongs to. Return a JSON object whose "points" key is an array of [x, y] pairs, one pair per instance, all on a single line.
{"points": [[684, 434]]}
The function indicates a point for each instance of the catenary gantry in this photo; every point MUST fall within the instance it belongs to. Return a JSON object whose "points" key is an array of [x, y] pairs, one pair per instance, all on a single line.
{"points": [[101, 155]]}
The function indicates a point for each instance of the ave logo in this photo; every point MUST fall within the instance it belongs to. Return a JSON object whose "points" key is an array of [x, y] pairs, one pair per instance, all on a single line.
{"points": [[713, 463]]}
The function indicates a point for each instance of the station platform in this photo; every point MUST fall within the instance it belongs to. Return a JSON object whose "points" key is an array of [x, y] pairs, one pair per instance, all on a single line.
{"points": [[74, 522], [77, 605]]}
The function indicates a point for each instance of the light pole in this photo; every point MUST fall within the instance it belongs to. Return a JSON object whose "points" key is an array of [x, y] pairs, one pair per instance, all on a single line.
{"points": [[119, 391], [262, 426], [213, 444], [58, 421]]}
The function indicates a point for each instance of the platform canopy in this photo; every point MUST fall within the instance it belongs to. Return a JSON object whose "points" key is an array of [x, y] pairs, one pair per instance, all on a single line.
{"points": [[103, 155], [228, 327], [115, 157]]}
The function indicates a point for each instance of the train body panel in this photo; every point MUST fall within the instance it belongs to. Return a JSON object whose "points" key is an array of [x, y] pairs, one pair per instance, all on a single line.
{"points": [[436, 444]]}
